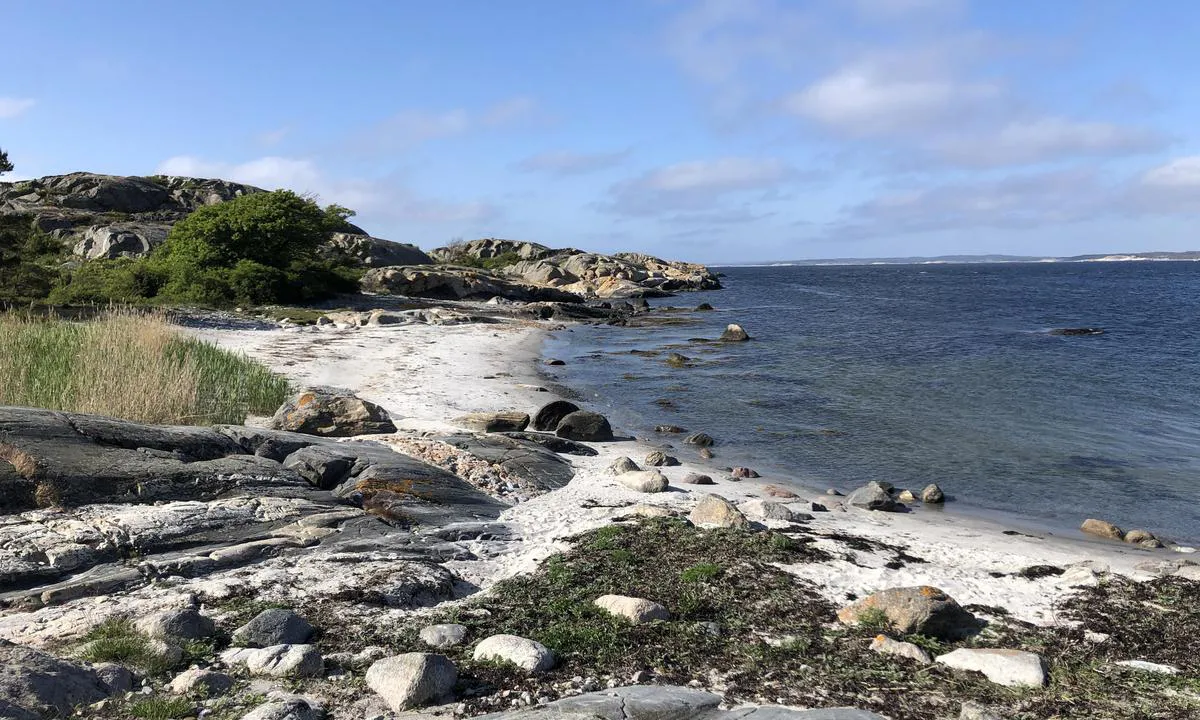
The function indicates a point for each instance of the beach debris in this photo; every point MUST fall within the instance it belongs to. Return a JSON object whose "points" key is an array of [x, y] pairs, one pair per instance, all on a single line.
{"points": [[444, 635], [932, 494], [331, 412], [623, 465], [734, 333], [697, 479], [714, 511], [647, 481], [921, 610], [885, 645], [699, 439], [586, 426], [873, 496], [529, 655], [1013, 668], [743, 472], [275, 626], [1150, 667], [490, 422], [658, 458], [412, 679], [548, 416], [277, 660], [635, 610], [1102, 528]]}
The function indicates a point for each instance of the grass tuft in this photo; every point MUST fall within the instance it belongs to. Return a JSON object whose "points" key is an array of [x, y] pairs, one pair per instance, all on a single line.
{"points": [[130, 365], [161, 708], [118, 641]]}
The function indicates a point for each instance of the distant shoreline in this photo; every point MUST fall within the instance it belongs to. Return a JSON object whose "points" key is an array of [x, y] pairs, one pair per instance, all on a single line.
{"points": [[1191, 256]]}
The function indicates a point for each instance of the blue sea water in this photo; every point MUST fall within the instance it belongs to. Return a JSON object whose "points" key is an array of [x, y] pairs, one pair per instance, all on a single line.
{"points": [[935, 373]]}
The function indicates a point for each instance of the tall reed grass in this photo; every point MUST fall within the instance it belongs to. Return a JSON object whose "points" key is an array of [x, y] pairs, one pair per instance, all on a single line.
{"points": [[130, 365]]}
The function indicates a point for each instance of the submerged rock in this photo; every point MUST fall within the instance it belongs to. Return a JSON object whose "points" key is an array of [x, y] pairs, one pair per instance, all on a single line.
{"points": [[699, 440], [932, 495], [734, 333], [1077, 331]]}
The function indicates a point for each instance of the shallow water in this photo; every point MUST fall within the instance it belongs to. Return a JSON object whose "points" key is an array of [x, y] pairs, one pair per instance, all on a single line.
{"points": [[915, 374]]}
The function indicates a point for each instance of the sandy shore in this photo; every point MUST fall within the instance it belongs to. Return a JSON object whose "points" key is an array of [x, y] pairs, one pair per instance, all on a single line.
{"points": [[428, 375]]}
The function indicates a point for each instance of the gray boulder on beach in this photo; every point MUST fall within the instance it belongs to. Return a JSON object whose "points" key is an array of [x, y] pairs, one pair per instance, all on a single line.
{"points": [[529, 655], [490, 422], [549, 415], [274, 626], [921, 610], [586, 426], [647, 481], [635, 610], [714, 511], [331, 412], [34, 685], [873, 496], [412, 679]]}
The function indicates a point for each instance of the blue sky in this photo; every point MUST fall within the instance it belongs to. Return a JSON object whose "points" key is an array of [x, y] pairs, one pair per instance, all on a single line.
{"points": [[717, 130]]}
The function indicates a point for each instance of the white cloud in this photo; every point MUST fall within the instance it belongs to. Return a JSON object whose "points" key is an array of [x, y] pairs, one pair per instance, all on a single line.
{"points": [[1181, 172], [695, 186], [861, 101], [385, 201], [564, 163], [1046, 139], [14, 107], [412, 127]]}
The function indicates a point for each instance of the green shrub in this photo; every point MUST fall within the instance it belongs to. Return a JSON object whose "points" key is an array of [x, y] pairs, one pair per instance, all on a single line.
{"points": [[700, 572], [117, 641], [162, 708], [123, 280], [28, 260]]}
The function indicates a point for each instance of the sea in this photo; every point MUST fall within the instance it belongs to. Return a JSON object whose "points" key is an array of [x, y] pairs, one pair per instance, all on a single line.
{"points": [[917, 374]]}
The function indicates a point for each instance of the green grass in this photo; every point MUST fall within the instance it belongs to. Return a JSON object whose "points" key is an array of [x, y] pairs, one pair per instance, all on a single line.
{"points": [[133, 366], [117, 641], [161, 708]]}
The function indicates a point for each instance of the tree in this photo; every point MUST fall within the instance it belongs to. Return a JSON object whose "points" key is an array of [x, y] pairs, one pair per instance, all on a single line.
{"points": [[5, 165]]}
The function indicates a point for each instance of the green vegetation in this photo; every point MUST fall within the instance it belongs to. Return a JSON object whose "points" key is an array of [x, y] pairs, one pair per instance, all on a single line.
{"points": [[117, 641], [5, 164], [255, 249], [133, 366], [162, 708], [457, 254], [766, 636]]}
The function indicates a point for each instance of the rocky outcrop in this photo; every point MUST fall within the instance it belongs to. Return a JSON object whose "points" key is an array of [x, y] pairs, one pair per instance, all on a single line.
{"points": [[34, 685], [456, 283], [374, 252], [624, 275]]}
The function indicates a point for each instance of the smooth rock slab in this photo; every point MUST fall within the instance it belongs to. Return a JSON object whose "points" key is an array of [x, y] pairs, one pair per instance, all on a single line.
{"points": [[529, 655], [443, 636], [647, 481], [412, 679], [275, 626], [635, 610], [278, 660], [495, 421], [714, 511], [1003, 667], [697, 479], [201, 682]]}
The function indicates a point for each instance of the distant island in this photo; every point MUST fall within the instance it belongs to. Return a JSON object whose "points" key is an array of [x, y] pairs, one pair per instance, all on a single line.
{"points": [[1188, 255]]}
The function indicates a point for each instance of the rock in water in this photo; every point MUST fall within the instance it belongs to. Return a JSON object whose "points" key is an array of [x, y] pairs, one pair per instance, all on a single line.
{"points": [[1101, 528], [1142, 538], [734, 333], [699, 440], [275, 626], [490, 422], [742, 473], [714, 511], [706, 453], [647, 481], [1070, 332], [673, 429], [550, 414], [530, 656], [703, 307], [412, 679], [635, 610], [586, 426], [872, 496], [1003, 667], [676, 360], [331, 412], [925, 610], [932, 495]]}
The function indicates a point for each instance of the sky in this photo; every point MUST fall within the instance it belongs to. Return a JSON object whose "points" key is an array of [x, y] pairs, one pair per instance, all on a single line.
{"points": [[719, 131]]}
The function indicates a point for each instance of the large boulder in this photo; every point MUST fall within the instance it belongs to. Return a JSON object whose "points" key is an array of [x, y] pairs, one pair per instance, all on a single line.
{"points": [[274, 626], [185, 624], [490, 422], [646, 481], [586, 426], [549, 415], [714, 511], [34, 685], [920, 610], [528, 655], [873, 496], [1102, 528], [635, 610], [412, 679], [331, 412], [375, 252]]}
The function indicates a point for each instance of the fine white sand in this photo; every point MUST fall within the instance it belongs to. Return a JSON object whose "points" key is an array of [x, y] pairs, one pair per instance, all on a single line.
{"points": [[428, 375]]}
